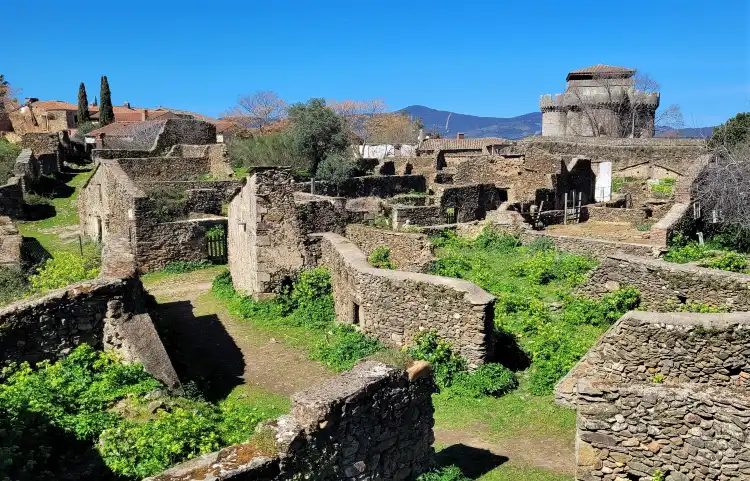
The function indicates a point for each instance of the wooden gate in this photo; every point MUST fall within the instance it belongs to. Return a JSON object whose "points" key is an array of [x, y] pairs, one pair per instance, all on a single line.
{"points": [[572, 207], [217, 245]]}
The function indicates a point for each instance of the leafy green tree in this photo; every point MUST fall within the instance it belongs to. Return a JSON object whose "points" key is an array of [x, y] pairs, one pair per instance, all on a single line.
{"points": [[336, 167], [734, 133], [106, 112], [83, 105], [317, 131]]}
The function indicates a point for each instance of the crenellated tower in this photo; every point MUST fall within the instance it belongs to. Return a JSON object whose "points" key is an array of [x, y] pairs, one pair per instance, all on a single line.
{"points": [[599, 101]]}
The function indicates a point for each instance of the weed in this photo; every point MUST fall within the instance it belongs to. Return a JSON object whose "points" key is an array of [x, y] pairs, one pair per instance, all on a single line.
{"points": [[449, 473], [380, 257]]}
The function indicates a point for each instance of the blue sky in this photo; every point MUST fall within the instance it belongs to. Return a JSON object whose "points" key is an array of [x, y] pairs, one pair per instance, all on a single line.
{"points": [[484, 58]]}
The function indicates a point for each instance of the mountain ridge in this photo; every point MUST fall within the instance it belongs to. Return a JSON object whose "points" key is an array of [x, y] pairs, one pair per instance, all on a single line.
{"points": [[512, 128]]}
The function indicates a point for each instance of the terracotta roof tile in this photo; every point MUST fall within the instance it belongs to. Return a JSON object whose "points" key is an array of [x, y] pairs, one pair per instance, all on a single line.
{"points": [[460, 144], [602, 69]]}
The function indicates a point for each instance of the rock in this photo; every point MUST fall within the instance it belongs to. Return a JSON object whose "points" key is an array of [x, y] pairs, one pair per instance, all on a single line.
{"points": [[154, 406]]}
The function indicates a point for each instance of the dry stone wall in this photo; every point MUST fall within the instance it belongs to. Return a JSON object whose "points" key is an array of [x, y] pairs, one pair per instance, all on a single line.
{"points": [[672, 348], [665, 284], [156, 245], [689, 433], [395, 305], [104, 313], [371, 423], [409, 251], [11, 198], [373, 185], [417, 215], [10, 244], [268, 224]]}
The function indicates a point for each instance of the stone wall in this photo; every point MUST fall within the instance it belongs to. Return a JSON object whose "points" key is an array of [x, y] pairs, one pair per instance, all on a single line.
{"points": [[677, 154], [594, 248], [184, 131], [373, 185], [417, 215], [672, 347], [628, 432], [48, 150], [151, 169], [373, 422], [10, 244], [665, 284], [268, 224], [156, 245], [394, 305], [28, 169], [109, 203], [206, 197], [613, 214], [409, 251], [105, 313], [471, 202], [522, 176], [11, 198]]}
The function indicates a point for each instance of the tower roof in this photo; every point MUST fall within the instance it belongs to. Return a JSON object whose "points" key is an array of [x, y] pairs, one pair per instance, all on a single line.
{"points": [[600, 71]]}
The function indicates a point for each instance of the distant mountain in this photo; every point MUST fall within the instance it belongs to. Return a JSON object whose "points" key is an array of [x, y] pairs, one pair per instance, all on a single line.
{"points": [[473, 126], [508, 128]]}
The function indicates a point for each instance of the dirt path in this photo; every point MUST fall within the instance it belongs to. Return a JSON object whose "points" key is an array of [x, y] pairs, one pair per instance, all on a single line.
{"points": [[519, 451], [219, 352]]}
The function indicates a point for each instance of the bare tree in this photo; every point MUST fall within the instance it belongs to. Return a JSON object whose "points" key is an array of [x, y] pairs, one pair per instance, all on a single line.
{"points": [[359, 115], [723, 187], [258, 110]]}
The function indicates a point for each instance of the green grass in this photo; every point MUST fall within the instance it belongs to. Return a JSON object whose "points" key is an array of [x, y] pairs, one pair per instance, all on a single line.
{"points": [[47, 231], [516, 414], [511, 472]]}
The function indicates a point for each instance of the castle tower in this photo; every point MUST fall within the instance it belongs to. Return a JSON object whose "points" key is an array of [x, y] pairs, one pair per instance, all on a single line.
{"points": [[600, 100]]}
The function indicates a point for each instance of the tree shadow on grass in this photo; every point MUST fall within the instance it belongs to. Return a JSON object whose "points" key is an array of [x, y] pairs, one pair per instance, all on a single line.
{"points": [[473, 462], [201, 349]]}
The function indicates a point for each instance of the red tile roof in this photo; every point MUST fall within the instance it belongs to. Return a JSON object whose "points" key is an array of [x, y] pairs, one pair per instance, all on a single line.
{"points": [[460, 144], [603, 70]]}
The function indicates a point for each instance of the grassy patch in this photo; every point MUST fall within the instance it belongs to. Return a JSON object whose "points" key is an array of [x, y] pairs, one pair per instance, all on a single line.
{"points": [[303, 317], [510, 472], [59, 232]]}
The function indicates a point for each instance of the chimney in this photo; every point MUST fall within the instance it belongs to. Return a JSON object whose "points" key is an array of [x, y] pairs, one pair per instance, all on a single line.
{"points": [[126, 105], [460, 136]]}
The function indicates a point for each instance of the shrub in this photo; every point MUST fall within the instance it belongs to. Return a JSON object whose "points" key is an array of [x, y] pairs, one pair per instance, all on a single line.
{"points": [[487, 380], [12, 284], [730, 261], [8, 154], [181, 267], [663, 187], [380, 257], [428, 346], [168, 203], [449, 473], [644, 227], [544, 267], [336, 167], [64, 269], [689, 252], [343, 347], [493, 241], [35, 199], [80, 395]]}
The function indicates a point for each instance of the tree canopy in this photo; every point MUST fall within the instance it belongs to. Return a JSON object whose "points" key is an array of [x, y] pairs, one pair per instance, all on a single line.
{"points": [[106, 112], [317, 131], [83, 105]]}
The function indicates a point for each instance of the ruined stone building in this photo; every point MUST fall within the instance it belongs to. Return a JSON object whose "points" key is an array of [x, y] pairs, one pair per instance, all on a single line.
{"points": [[600, 100], [165, 199]]}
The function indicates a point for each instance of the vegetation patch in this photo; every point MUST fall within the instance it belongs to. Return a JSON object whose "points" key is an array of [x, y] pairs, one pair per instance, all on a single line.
{"points": [[714, 253], [8, 154], [534, 311], [64, 269], [13, 284], [53, 415], [306, 306], [380, 257], [663, 188]]}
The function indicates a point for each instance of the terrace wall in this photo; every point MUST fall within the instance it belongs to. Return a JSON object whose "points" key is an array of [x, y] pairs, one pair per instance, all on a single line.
{"points": [[663, 285], [410, 252]]}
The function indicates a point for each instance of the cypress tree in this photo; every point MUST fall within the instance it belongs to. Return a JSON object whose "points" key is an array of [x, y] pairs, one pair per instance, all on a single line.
{"points": [[106, 113], [83, 105], [96, 101]]}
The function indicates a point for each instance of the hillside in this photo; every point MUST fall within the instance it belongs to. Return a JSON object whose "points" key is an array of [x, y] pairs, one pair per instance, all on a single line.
{"points": [[505, 127]]}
